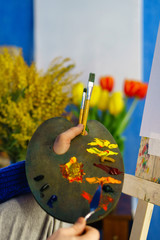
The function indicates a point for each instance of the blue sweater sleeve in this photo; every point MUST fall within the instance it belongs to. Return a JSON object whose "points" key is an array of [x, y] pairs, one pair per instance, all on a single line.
{"points": [[13, 181]]}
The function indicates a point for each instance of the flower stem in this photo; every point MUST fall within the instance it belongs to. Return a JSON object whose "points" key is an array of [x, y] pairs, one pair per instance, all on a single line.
{"points": [[127, 117]]}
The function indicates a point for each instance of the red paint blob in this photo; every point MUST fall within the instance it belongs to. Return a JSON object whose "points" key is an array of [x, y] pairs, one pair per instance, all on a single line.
{"points": [[107, 169]]}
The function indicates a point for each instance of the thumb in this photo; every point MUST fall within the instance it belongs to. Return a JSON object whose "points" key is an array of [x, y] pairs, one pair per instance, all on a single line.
{"points": [[62, 142], [73, 132], [78, 228]]}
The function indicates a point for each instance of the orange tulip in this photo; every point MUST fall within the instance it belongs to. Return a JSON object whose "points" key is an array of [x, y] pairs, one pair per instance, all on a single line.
{"points": [[107, 83]]}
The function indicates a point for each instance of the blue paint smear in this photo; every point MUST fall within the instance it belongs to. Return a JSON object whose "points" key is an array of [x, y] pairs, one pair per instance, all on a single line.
{"points": [[96, 199], [52, 199]]}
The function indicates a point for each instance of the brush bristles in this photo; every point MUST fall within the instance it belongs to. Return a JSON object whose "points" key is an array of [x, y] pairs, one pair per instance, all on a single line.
{"points": [[91, 77], [85, 90]]}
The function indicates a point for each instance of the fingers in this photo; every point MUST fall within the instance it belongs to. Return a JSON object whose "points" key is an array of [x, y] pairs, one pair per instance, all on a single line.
{"points": [[62, 142], [90, 233], [77, 229]]}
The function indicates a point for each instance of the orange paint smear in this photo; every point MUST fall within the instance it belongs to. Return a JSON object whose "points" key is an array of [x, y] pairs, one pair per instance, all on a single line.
{"points": [[87, 196], [104, 201], [73, 171], [102, 180]]}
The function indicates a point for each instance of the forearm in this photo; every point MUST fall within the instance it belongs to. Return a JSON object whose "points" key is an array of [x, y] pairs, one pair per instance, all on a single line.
{"points": [[13, 181]]}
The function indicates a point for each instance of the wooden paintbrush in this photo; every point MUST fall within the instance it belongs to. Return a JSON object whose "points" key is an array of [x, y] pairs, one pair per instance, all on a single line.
{"points": [[82, 105], [89, 92]]}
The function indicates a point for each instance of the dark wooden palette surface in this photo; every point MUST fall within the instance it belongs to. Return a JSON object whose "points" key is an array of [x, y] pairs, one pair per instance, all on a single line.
{"points": [[64, 184]]}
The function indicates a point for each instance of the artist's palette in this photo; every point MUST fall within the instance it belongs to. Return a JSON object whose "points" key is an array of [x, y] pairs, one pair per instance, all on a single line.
{"points": [[64, 185]]}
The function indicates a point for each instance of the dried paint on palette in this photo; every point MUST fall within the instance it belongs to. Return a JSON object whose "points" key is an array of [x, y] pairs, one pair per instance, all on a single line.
{"points": [[44, 187], [87, 196], [52, 199], [102, 143], [106, 188], [39, 178], [103, 180], [107, 169], [101, 153], [108, 159], [104, 200], [73, 171]]}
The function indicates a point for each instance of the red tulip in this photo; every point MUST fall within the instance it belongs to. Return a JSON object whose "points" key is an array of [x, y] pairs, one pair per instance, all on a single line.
{"points": [[107, 83], [135, 89], [131, 87], [141, 93]]}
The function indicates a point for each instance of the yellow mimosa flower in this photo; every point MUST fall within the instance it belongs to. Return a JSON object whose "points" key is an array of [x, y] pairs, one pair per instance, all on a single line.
{"points": [[96, 93], [103, 102], [28, 98], [116, 103], [77, 92]]}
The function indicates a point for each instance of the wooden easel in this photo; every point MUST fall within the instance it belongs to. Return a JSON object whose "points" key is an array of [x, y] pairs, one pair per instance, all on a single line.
{"points": [[144, 186]]}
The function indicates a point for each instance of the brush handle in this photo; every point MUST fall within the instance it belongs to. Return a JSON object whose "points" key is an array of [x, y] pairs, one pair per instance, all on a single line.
{"points": [[80, 115], [85, 116], [89, 215]]}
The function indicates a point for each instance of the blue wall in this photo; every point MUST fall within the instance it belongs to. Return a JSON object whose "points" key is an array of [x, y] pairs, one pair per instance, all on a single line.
{"points": [[133, 139], [16, 26]]}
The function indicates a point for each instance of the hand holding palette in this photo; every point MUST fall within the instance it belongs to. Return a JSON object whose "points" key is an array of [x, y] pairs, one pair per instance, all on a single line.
{"points": [[64, 184]]}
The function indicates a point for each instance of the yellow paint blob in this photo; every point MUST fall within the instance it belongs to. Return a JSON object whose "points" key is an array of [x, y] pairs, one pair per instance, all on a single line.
{"points": [[103, 143], [105, 158], [73, 171], [100, 153]]}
